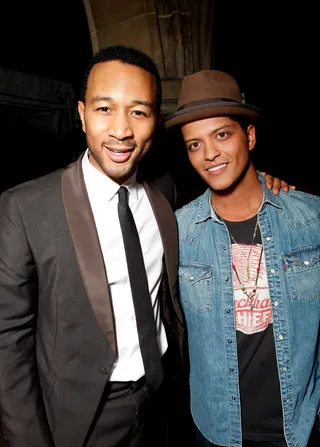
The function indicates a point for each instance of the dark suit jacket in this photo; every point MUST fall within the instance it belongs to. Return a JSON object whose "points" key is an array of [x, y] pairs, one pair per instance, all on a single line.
{"points": [[57, 333]]}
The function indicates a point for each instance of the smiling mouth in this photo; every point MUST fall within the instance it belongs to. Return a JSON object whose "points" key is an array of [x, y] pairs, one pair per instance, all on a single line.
{"points": [[120, 150], [217, 168]]}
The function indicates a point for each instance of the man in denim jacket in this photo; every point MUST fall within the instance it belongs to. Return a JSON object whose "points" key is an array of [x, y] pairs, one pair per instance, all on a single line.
{"points": [[249, 277]]}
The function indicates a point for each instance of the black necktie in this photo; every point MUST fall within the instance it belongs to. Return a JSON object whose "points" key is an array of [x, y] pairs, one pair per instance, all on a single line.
{"points": [[146, 326]]}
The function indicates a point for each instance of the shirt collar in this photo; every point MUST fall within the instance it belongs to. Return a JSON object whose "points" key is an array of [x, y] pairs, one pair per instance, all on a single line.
{"points": [[204, 210], [102, 188]]}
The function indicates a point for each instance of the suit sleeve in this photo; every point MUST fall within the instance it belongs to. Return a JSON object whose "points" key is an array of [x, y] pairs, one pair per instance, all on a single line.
{"points": [[21, 406]]}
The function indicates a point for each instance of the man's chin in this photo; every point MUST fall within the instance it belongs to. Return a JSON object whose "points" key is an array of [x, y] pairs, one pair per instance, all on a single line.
{"points": [[222, 189], [121, 175]]}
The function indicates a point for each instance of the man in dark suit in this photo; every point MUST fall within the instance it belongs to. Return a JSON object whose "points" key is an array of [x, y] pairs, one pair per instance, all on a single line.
{"points": [[72, 371]]}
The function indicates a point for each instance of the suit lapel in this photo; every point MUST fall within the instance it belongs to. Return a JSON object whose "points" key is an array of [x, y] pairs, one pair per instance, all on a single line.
{"points": [[169, 235], [87, 247]]}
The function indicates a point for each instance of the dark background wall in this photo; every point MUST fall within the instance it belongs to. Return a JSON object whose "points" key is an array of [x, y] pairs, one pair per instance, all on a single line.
{"points": [[270, 51], [270, 48], [47, 38]]}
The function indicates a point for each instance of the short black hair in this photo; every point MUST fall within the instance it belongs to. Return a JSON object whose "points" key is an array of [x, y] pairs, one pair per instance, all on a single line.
{"points": [[127, 55]]}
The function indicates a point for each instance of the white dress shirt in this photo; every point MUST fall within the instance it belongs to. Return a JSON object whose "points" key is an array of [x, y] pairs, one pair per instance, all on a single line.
{"points": [[102, 192]]}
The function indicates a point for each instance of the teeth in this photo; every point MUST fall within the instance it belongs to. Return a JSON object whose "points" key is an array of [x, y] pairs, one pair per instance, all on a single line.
{"points": [[216, 168]]}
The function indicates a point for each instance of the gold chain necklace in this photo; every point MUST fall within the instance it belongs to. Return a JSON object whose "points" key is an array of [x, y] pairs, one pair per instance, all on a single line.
{"points": [[242, 286], [252, 294], [255, 287], [253, 238]]}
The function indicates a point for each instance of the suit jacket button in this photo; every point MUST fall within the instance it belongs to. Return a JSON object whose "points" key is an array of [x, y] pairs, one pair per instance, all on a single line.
{"points": [[103, 371]]}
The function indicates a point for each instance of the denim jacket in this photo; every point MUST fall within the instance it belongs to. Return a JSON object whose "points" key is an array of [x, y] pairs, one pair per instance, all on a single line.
{"points": [[290, 232]]}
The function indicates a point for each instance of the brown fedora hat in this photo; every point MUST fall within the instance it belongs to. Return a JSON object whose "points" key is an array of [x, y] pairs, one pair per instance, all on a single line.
{"points": [[209, 93]]}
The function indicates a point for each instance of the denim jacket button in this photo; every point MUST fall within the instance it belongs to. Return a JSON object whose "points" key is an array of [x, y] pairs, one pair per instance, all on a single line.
{"points": [[268, 238], [231, 370], [229, 341]]}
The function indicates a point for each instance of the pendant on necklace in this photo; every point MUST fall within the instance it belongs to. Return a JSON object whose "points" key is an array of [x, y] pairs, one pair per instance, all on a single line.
{"points": [[252, 304]]}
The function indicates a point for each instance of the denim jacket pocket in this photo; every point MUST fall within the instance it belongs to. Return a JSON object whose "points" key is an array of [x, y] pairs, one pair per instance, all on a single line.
{"points": [[195, 282], [302, 268]]}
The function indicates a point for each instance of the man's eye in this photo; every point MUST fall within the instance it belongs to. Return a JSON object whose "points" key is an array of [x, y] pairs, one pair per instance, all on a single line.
{"points": [[194, 146], [222, 134], [139, 113]]}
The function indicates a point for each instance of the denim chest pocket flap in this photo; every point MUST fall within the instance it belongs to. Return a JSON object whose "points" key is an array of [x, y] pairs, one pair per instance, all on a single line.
{"points": [[195, 281], [302, 268]]}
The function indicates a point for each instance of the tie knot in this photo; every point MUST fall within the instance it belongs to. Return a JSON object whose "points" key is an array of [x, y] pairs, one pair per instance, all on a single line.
{"points": [[123, 194]]}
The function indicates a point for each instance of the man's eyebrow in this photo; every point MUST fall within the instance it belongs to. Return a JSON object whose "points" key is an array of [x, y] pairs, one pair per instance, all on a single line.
{"points": [[100, 98], [218, 129], [142, 103]]}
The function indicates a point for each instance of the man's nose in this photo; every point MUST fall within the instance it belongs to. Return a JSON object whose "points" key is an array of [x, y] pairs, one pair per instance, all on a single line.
{"points": [[211, 151], [119, 126]]}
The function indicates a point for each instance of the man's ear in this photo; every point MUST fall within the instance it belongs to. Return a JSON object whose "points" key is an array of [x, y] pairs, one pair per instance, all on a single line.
{"points": [[251, 135], [81, 113]]}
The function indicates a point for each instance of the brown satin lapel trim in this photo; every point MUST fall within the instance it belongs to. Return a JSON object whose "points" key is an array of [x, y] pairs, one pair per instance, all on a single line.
{"points": [[169, 235], [87, 247]]}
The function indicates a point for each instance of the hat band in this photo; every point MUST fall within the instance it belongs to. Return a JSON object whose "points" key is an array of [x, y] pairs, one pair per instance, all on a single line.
{"points": [[203, 102]]}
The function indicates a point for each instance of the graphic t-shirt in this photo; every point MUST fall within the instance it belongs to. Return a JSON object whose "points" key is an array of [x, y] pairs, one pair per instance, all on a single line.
{"points": [[261, 411]]}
